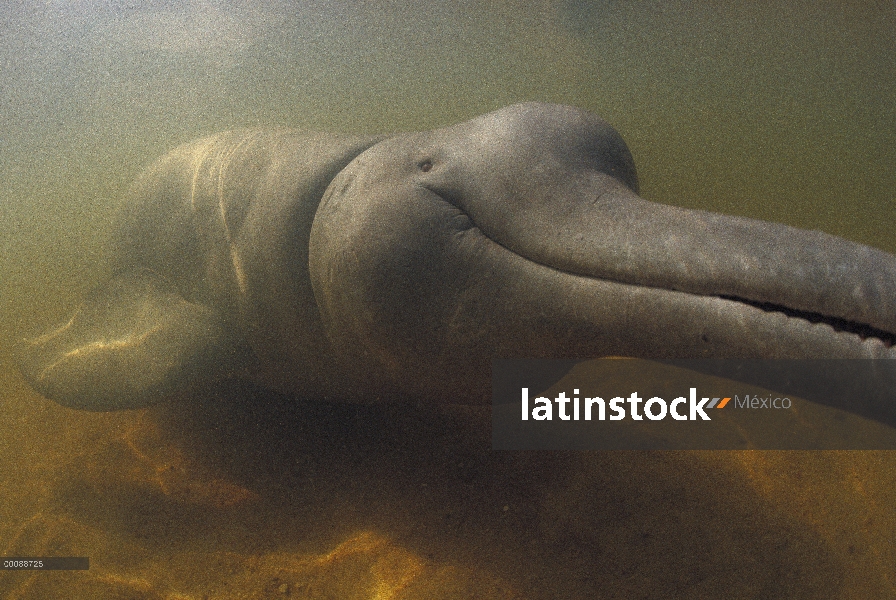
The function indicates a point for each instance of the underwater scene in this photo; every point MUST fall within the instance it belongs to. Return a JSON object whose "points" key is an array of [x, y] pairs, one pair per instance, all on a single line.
{"points": [[264, 486]]}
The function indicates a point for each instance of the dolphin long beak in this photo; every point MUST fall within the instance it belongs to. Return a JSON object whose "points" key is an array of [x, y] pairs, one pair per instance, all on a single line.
{"points": [[815, 297], [767, 290], [803, 274]]}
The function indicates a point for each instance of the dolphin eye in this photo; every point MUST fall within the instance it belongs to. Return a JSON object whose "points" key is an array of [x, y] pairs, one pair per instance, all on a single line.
{"points": [[425, 165]]}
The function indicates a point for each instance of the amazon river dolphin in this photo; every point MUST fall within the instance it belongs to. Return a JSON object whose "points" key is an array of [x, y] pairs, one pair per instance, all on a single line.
{"points": [[363, 268]]}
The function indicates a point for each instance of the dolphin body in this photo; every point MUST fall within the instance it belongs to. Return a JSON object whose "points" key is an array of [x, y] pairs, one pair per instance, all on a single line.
{"points": [[358, 268]]}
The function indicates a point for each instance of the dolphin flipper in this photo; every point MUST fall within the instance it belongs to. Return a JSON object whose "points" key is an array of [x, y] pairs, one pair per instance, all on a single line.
{"points": [[132, 343]]}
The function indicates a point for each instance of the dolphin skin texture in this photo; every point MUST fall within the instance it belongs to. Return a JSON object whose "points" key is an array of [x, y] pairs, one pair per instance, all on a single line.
{"points": [[353, 268]]}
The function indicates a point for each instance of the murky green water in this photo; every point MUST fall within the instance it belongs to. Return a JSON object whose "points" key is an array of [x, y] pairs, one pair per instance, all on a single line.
{"points": [[785, 111], [779, 110]]}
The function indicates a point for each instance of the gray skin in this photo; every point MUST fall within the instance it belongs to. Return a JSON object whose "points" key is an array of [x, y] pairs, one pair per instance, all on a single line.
{"points": [[340, 267]]}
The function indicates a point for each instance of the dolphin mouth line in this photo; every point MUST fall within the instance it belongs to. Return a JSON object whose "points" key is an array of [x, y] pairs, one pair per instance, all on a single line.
{"points": [[863, 330], [866, 333]]}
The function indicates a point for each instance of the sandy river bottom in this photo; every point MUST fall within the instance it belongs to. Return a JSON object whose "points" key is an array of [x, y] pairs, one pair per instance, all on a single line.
{"points": [[242, 494]]}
